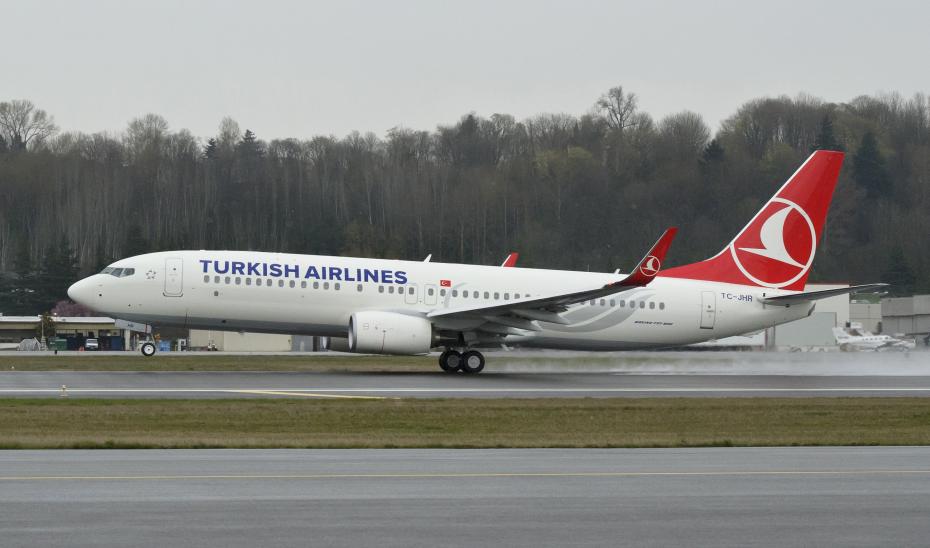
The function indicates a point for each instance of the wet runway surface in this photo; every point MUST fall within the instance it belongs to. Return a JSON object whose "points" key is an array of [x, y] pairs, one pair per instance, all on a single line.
{"points": [[437, 385], [551, 497], [523, 375]]}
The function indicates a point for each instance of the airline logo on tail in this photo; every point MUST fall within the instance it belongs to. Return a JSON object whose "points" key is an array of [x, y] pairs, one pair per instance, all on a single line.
{"points": [[651, 266], [777, 248]]}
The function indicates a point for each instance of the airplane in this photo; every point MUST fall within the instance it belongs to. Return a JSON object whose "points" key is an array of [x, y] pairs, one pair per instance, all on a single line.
{"points": [[381, 306], [855, 338]]}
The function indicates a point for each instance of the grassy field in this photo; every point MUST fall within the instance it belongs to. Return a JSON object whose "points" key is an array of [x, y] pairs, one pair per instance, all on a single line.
{"points": [[652, 422]]}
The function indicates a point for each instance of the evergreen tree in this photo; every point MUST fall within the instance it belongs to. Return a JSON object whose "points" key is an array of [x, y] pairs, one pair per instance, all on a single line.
{"points": [[899, 273], [713, 153], [209, 151], [249, 146], [869, 167], [826, 139], [58, 271], [136, 244]]}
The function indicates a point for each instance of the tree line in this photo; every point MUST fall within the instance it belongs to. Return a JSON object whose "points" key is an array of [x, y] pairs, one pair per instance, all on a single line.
{"points": [[587, 192]]}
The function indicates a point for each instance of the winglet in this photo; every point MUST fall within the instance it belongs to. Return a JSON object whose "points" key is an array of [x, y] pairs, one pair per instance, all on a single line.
{"points": [[649, 266], [511, 260]]}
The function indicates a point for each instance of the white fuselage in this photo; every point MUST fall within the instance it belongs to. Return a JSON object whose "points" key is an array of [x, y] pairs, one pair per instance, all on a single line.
{"points": [[315, 295]]}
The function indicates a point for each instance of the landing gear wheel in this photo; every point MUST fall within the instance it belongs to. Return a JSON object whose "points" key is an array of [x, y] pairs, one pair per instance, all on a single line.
{"points": [[148, 349], [450, 361], [472, 361]]}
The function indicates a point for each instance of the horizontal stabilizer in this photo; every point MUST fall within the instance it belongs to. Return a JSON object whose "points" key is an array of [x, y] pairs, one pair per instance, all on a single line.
{"points": [[809, 296]]}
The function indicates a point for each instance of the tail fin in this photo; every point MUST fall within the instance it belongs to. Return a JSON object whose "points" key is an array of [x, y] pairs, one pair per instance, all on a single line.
{"points": [[776, 249]]}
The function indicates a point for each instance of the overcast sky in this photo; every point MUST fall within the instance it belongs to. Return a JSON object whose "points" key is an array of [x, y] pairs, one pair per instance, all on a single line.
{"points": [[298, 69]]}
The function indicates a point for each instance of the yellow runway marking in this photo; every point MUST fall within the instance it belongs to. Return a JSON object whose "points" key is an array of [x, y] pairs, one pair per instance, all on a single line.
{"points": [[473, 475], [302, 394]]}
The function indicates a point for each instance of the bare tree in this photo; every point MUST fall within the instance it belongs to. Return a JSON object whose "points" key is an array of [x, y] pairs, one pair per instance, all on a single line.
{"points": [[23, 123], [619, 108]]}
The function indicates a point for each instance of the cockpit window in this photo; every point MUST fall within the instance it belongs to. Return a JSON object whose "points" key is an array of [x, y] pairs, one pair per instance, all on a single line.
{"points": [[118, 272]]}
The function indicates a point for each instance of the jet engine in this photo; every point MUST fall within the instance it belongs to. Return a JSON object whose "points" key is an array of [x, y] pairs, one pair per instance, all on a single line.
{"points": [[378, 332]]}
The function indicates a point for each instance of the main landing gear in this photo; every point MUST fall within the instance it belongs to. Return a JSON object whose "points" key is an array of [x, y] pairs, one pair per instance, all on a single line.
{"points": [[470, 361]]}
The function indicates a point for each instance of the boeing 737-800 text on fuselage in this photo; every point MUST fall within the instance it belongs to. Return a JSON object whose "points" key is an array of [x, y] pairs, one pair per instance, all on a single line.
{"points": [[404, 307]]}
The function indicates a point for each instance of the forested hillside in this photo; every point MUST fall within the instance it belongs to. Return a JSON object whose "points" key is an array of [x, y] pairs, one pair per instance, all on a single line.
{"points": [[580, 192]]}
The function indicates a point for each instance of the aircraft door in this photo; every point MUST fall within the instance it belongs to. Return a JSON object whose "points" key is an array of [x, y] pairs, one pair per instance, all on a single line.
{"points": [[174, 277], [708, 309], [429, 297], [410, 293]]}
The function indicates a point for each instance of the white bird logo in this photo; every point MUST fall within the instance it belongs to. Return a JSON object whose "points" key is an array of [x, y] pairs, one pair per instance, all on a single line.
{"points": [[650, 266], [772, 235]]}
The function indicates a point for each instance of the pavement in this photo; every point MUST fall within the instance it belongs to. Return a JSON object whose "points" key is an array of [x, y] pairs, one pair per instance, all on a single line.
{"points": [[435, 385], [866, 496]]}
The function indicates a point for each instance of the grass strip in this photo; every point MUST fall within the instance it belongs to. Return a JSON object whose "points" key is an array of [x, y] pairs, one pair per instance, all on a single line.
{"points": [[614, 422]]}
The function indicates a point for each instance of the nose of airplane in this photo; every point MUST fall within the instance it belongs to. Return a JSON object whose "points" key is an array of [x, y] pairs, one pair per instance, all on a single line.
{"points": [[81, 291]]}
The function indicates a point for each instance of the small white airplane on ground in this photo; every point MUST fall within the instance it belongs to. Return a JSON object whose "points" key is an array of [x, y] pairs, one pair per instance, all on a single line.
{"points": [[406, 307], [855, 338]]}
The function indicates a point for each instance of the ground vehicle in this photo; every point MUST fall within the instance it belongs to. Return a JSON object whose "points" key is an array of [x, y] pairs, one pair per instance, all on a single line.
{"points": [[92, 344]]}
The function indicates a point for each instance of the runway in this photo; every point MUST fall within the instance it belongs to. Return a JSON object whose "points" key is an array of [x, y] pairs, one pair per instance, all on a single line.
{"points": [[696, 497], [436, 385]]}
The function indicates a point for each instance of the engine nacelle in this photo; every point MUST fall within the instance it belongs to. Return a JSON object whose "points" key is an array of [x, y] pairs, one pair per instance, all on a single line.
{"points": [[377, 332]]}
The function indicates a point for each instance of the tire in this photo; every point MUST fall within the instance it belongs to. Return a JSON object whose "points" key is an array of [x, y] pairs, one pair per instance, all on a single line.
{"points": [[472, 362], [450, 361], [148, 349]]}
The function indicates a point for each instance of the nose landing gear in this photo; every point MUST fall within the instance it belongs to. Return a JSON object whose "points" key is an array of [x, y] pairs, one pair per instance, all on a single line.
{"points": [[148, 349], [470, 361]]}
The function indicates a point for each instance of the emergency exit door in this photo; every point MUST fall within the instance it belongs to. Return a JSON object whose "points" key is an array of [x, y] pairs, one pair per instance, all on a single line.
{"points": [[174, 277], [708, 309]]}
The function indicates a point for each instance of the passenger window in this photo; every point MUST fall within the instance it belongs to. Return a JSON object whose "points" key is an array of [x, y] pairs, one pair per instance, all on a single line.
{"points": [[487, 295], [316, 285], [506, 296], [464, 294], [442, 292], [661, 306], [410, 291], [497, 296], [613, 303], [293, 283], [248, 281], [380, 289], [603, 302], [391, 289], [337, 286], [268, 282], [216, 279], [238, 280], [652, 305], [475, 294], [593, 302], [632, 304], [228, 280], [303, 284], [325, 285], [455, 292], [280, 283], [516, 295], [359, 287], [206, 279], [430, 291], [642, 304]]}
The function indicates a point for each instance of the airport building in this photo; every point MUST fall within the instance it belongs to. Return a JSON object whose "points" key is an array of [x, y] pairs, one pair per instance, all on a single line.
{"points": [[69, 332], [909, 316]]}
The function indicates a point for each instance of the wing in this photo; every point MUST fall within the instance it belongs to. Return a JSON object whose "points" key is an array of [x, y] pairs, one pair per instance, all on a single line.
{"points": [[797, 298], [520, 313]]}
